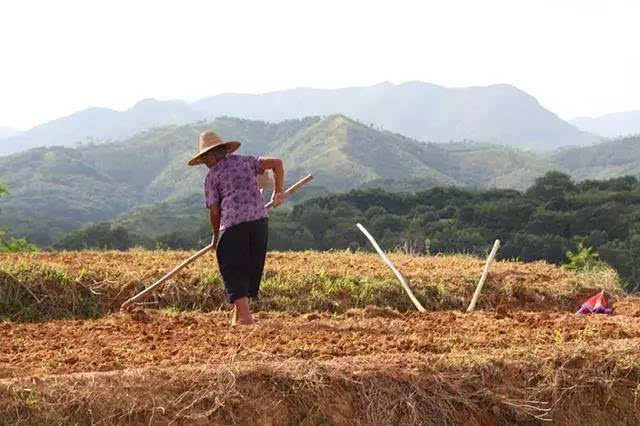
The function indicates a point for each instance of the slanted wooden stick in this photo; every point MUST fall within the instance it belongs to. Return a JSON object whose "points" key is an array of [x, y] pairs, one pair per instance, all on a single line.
{"points": [[393, 268], [167, 276], [485, 272], [292, 190]]}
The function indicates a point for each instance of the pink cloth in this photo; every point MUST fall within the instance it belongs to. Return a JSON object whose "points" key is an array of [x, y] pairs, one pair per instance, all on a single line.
{"points": [[232, 184], [595, 305]]}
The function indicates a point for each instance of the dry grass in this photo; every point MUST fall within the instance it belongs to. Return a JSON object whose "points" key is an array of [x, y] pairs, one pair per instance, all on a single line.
{"points": [[335, 364], [571, 387], [41, 286]]}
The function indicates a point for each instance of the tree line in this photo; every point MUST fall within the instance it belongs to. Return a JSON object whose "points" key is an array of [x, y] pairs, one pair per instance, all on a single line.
{"points": [[552, 217]]}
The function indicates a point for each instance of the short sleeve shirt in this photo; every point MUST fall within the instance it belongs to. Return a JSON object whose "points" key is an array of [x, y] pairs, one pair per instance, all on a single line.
{"points": [[232, 184]]}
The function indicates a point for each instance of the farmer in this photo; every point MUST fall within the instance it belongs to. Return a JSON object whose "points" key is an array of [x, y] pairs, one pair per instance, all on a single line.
{"points": [[238, 216]]}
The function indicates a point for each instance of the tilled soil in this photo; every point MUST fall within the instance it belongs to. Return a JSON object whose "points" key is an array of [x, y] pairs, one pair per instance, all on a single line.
{"points": [[523, 358], [371, 366], [150, 338]]}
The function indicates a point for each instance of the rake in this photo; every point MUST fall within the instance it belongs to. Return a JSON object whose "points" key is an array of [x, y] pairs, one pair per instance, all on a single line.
{"points": [[292, 190]]}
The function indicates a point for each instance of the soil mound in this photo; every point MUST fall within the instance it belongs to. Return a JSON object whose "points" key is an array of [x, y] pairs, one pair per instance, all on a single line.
{"points": [[410, 369]]}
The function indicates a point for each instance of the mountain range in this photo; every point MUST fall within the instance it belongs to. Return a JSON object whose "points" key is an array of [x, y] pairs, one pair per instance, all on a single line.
{"points": [[98, 125], [53, 190], [498, 114], [611, 125]]}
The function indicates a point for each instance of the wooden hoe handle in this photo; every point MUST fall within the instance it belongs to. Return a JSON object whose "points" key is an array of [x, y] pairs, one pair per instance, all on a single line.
{"points": [[292, 190]]}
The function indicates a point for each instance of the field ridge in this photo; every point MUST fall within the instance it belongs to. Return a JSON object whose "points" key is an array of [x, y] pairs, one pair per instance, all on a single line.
{"points": [[336, 342]]}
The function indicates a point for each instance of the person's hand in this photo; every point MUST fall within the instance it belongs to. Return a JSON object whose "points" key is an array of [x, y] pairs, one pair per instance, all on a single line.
{"points": [[277, 198]]}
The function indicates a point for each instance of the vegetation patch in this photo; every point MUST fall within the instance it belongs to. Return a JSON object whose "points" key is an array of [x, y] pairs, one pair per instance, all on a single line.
{"points": [[43, 286]]}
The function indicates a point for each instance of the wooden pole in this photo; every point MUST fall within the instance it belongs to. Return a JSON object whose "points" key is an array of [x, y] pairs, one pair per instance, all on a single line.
{"points": [[292, 190], [485, 272], [167, 276], [393, 268]]}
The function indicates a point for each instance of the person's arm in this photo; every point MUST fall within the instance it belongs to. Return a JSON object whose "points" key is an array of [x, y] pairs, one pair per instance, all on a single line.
{"points": [[277, 166], [212, 202], [214, 215]]}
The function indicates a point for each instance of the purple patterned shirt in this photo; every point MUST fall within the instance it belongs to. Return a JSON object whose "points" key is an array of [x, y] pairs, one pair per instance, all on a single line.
{"points": [[232, 184]]}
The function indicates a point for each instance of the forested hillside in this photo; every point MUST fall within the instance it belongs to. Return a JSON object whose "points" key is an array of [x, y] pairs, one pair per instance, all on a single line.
{"points": [[55, 190], [602, 161]]}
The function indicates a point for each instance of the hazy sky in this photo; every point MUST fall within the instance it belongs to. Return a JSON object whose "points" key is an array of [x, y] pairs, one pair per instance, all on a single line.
{"points": [[57, 57]]}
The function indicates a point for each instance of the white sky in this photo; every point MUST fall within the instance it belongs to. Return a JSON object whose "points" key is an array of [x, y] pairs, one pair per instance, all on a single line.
{"points": [[57, 57]]}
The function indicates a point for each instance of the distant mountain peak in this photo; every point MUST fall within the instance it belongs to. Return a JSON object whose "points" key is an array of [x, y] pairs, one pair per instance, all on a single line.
{"points": [[145, 103], [338, 117], [100, 124], [419, 83], [423, 111], [499, 113], [610, 125]]}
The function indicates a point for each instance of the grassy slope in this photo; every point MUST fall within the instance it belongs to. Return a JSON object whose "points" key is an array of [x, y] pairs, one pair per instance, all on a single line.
{"points": [[344, 154], [492, 166], [90, 284]]}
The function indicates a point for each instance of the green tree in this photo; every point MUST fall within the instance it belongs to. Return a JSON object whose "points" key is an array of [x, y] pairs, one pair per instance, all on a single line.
{"points": [[102, 236], [9, 244], [551, 185], [176, 240], [583, 259]]}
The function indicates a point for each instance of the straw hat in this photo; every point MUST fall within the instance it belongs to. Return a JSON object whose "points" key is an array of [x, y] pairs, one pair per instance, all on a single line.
{"points": [[209, 140]]}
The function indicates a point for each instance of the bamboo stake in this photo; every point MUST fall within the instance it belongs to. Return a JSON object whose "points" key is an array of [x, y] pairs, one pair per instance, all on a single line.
{"points": [[485, 272], [393, 268], [292, 190]]}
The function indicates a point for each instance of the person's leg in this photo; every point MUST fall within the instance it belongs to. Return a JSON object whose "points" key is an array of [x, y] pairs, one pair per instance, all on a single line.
{"points": [[259, 237], [233, 255]]}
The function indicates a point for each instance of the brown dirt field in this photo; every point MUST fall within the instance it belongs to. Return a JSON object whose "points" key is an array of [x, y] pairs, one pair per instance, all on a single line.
{"points": [[319, 354], [150, 338], [482, 368]]}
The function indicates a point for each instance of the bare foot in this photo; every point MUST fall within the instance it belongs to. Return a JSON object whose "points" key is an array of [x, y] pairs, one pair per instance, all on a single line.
{"points": [[241, 312]]}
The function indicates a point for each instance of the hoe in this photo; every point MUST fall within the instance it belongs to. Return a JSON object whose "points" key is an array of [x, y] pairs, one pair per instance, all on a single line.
{"points": [[292, 190]]}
